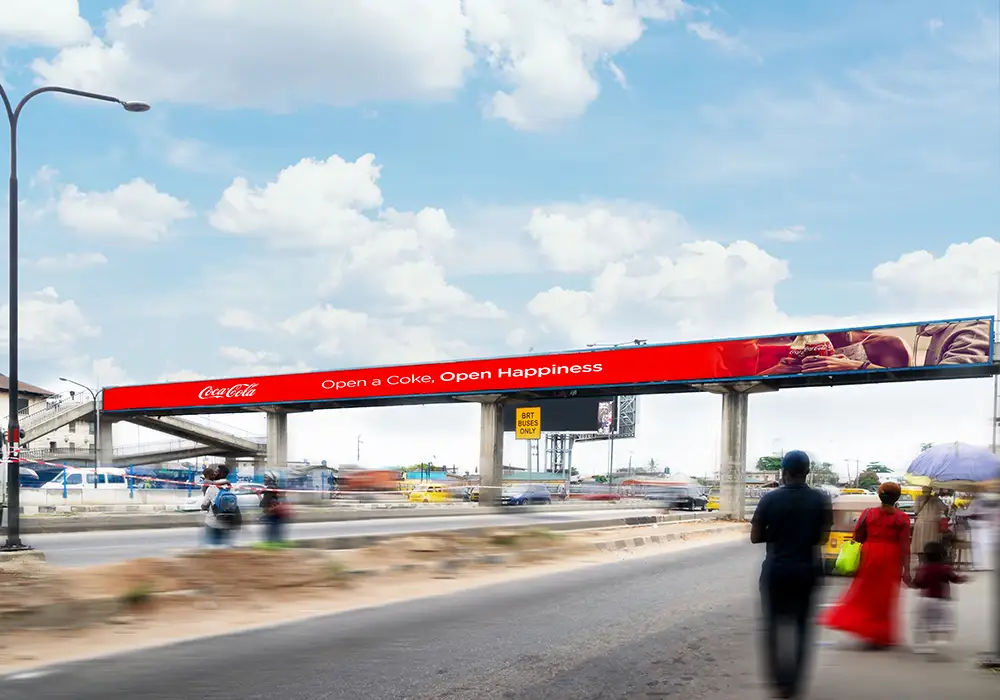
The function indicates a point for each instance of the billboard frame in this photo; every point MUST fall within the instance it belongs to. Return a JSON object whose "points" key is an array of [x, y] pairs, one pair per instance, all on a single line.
{"points": [[834, 378]]}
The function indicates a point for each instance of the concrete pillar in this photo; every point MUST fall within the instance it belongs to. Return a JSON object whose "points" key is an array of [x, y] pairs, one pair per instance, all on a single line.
{"points": [[733, 467], [277, 441], [490, 453], [105, 444]]}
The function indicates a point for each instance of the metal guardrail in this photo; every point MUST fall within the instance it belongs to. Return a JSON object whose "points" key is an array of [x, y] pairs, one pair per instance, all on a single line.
{"points": [[29, 418], [226, 428], [156, 447]]}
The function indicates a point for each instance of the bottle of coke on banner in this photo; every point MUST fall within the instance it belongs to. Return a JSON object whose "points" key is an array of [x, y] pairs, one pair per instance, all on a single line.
{"points": [[817, 345]]}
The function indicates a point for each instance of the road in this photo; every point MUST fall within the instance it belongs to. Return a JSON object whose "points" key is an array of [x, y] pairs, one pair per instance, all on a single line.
{"points": [[105, 547], [675, 625]]}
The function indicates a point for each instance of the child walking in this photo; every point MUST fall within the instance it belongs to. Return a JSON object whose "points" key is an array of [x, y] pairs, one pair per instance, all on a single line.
{"points": [[935, 624]]}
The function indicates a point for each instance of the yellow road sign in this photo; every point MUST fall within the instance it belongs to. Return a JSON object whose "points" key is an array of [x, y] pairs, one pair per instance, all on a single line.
{"points": [[528, 423]]}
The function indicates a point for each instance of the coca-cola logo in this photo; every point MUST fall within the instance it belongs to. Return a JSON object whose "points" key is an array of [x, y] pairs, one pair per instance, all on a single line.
{"points": [[228, 392]]}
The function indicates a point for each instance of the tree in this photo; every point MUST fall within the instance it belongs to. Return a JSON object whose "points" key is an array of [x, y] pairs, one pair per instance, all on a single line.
{"points": [[652, 464], [824, 474], [868, 480], [769, 463], [878, 468]]}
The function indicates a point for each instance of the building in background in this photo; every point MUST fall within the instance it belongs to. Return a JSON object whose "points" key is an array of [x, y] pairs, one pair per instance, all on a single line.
{"points": [[74, 440]]}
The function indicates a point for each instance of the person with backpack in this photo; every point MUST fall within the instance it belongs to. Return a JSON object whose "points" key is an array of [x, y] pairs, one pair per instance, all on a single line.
{"points": [[275, 508], [222, 510]]}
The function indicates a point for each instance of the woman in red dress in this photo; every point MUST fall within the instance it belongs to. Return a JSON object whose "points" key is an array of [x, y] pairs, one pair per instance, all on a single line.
{"points": [[870, 607]]}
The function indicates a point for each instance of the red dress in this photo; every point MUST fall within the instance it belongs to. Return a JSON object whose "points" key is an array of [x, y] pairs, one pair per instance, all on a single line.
{"points": [[870, 607]]}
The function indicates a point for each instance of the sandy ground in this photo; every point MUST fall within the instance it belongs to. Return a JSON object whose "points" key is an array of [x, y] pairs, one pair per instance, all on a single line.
{"points": [[176, 620]]}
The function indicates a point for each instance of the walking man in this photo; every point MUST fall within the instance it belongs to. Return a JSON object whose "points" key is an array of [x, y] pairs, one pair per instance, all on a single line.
{"points": [[793, 522]]}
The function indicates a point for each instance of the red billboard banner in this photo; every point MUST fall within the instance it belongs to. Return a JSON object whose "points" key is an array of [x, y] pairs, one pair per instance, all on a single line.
{"points": [[962, 342]]}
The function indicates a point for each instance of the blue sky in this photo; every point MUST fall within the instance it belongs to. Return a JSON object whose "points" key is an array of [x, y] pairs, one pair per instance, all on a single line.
{"points": [[563, 141]]}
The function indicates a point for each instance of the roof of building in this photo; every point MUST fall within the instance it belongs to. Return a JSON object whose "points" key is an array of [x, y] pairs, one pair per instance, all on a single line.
{"points": [[24, 388]]}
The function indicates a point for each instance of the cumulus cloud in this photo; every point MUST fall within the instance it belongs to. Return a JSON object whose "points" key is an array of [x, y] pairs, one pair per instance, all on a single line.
{"points": [[49, 326], [545, 53], [50, 23], [133, 211], [70, 261], [335, 208]]}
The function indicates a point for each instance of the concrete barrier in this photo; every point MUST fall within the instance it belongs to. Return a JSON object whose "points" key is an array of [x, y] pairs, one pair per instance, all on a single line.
{"points": [[74, 521]]}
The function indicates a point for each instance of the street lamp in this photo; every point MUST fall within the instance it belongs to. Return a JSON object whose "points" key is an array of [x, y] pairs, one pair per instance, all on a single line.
{"points": [[13, 542], [97, 423]]}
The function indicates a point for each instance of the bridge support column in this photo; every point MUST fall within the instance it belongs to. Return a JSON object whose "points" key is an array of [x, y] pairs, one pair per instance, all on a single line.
{"points": [[277, 440], [733, 467], [490, 453], [104, 447]]}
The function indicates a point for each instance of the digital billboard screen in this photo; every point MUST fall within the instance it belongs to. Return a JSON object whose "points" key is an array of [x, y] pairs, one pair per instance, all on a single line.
{"points": [[895, 349], [573, 415]]}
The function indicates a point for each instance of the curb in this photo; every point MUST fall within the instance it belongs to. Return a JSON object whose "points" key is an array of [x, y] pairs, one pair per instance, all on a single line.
{"points": [[625, 544]]}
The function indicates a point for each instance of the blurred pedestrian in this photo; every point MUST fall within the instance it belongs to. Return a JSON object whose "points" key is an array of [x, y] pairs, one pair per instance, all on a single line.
{"points": [[927, 525], [222, 512], [793, 521], [275, 508], [935, 617], [869, 609]]}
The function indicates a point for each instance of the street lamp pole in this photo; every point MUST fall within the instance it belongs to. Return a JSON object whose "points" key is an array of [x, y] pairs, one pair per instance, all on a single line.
{"points": [[13, 542], [97, 423]]}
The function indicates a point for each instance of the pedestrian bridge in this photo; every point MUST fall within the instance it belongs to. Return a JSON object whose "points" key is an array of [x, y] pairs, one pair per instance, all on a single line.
{"points": [[194, 437]]}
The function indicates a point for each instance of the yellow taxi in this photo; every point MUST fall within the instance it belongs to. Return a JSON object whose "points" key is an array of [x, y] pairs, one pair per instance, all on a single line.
{"points": [[429, 493], [847, 510], [713, 503]]}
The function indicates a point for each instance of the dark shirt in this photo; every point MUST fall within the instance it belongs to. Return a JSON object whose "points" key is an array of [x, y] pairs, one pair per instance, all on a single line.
{"points": [[934, 580], [795, 520], [269, 499]]}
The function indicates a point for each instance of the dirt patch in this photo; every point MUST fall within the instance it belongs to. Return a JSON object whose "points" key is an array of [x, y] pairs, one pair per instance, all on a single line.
{"points": [[73, 598], [179, 618]]}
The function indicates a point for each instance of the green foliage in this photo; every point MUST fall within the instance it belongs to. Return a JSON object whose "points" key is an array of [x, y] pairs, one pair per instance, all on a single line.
{"points": [[769, 463], [868, 480]]}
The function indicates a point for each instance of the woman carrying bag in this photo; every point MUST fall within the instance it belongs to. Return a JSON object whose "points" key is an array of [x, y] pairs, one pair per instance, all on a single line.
{"points": [[869, 609]]}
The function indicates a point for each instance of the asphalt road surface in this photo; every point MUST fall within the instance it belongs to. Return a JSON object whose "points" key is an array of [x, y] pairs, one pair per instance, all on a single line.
{"points": [[676, 625], [105, 547]]}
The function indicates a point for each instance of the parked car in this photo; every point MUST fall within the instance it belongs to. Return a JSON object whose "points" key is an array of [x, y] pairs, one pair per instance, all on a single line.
{"points": [[428, 493], [525, 495], [680, 497]]}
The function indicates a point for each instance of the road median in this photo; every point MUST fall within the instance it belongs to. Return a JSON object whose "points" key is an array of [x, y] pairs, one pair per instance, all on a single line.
{"points": [[95, 521], [148, 588]]}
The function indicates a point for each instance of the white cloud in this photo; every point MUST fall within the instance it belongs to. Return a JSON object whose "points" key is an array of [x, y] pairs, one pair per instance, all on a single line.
{"points": [[545, 52], [962, 281], [70, 261], [706, 288], [181, 375], [107, 372], [241, 319], [49, 326], [788, 234], [584, 238], [713, 35], [133, 211], [258, 362], [335, 209], [934, 25], [363, 339], [54, 23]]}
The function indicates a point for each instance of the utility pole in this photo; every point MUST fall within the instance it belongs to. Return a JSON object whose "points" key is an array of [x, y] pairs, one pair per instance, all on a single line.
{"points": [[359, 450]]}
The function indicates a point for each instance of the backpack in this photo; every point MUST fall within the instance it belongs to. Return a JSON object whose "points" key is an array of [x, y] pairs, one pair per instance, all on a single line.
{"points": [[226, 507]]}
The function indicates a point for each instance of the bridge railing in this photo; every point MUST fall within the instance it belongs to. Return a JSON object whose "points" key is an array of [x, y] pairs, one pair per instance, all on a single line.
{"points": [[156, 447], [31, 416], [226, 428]]}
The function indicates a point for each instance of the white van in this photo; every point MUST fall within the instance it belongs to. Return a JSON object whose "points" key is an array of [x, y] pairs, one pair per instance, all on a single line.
{"points": [[83, 477]]}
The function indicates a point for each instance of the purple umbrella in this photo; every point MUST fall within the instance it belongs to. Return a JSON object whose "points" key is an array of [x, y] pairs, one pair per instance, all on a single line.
{"points": [[955, 466]]}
